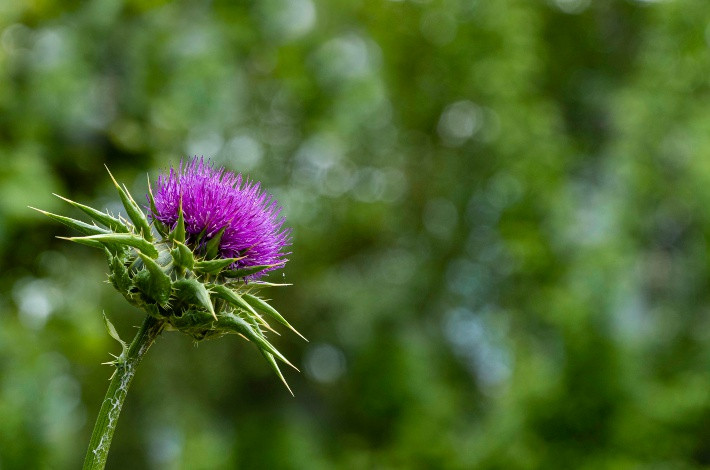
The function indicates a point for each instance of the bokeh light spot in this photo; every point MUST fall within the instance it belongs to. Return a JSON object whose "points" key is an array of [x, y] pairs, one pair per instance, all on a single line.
{"points": [[325, 363]]}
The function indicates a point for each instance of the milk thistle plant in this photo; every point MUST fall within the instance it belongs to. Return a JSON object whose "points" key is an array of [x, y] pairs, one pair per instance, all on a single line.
{"points": [[194, 263]]}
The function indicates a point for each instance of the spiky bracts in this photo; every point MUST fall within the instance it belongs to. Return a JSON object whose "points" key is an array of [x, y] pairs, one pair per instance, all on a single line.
{"points": [[242, 220], [193, 275]]}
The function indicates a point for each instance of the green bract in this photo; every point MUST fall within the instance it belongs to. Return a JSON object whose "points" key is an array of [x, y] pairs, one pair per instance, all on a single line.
{"points": [[189, 290]]}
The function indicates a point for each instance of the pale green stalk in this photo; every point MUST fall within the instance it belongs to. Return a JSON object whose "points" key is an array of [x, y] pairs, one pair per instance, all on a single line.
{"points": [[118, 388]]}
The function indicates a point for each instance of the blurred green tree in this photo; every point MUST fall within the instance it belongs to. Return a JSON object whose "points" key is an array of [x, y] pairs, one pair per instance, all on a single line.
{"points": [[498, 210]]}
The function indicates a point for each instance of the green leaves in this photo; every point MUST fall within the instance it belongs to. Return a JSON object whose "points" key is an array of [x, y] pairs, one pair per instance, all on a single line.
{"points": [[114, 334], [224, 293], [194, 322], [212, 247], [159, 226], [119, 239], [77, 225], [178, 233], [214, 266], [88, 241], [153, 282], [193, 292], [248, 271], [134, 212], [182, 256], [262, 306], [101, 217], [241, 326], [119, 277], [275, 367]]}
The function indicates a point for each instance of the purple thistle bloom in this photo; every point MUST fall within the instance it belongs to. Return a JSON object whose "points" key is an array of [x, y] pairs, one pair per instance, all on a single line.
{"points": [[213, 199]]}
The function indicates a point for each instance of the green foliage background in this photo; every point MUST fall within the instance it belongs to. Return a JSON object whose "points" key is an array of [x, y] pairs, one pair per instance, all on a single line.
{"points": [[500, 229]]}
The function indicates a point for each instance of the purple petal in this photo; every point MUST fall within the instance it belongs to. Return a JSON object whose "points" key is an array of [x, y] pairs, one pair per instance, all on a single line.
{"points": [[216, 198]]}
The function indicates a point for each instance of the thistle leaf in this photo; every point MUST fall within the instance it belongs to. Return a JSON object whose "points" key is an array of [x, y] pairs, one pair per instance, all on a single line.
{"points": [[121, 239], [269, 284], [239, 325], [159, 226], [215, 265], [101, 217], [212, 247], [178, 233], [275, 367], [78, 225], [248, 271], [155, 283], [232, 297], [182, 256], [114, 334], [193, 321], [193, 292], [236, 300], [85, 241], [200, 236], [119, 276], [134, 212], [261, 305]]}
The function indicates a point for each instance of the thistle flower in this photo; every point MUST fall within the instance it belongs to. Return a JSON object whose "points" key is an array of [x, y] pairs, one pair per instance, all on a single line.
{"points": [[215, 233], [218, 203]]}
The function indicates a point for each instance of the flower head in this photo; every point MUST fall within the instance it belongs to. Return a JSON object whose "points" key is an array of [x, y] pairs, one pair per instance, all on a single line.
{"points": [[215, 200], [215, 230]]}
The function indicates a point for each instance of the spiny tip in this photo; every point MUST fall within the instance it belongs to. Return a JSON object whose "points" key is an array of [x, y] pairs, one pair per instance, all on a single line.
{"points": [[112, 178], [287, 387], [299, 334]]}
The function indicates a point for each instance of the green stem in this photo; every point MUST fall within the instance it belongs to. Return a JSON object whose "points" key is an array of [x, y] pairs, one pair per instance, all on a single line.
{"points": [[118, 388]]}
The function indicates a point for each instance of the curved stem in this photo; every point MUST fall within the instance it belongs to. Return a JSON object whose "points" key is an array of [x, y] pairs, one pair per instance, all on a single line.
{"points": [[118, 388]]}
